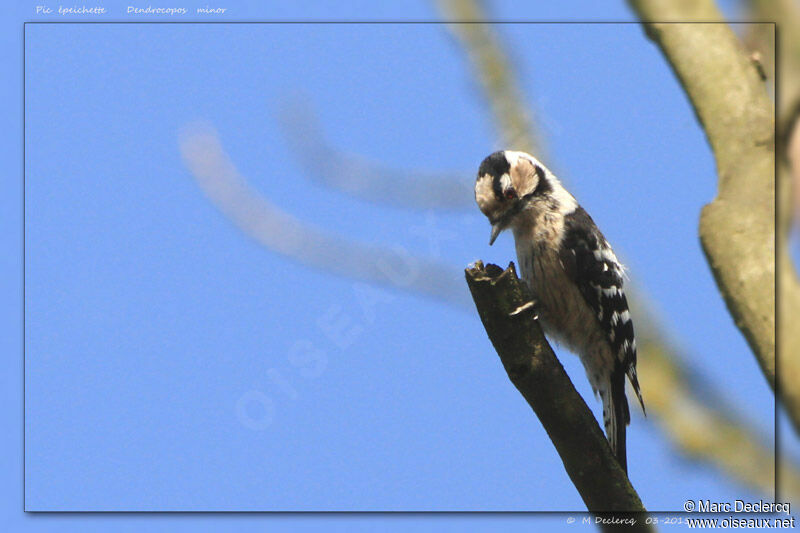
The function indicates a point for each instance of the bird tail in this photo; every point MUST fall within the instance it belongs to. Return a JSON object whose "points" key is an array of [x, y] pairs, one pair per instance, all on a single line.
{"points": [[617, 416]]}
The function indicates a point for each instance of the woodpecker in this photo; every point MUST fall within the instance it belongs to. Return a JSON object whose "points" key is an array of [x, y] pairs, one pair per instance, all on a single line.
{"points": [[575, 278]]}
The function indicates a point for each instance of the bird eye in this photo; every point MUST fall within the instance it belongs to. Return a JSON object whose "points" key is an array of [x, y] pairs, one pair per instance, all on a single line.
{"points": [[510, 194]]}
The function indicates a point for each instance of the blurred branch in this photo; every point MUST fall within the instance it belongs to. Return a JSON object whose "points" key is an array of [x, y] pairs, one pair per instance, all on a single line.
{"points": [[538, 375], [762, 38], [280, 232], [494, 72], [707, 433], [788, 284], [379, 184], [384, 185], [787, 14], [363, 179]]}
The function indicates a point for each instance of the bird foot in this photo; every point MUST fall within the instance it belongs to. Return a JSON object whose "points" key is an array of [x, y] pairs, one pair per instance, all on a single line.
{"points": [[527, 307]]}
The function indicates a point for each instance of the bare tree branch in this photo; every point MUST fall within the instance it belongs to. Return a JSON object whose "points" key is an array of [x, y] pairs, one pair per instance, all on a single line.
{"points": [[788, 284], [737, 229], [494, 72], [787, 14], [728, 96], [538, 375], [361, 178], [257, 217], [707, 433]]}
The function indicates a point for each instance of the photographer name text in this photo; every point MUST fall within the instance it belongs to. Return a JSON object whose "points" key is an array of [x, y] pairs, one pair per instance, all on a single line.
{"points": [[737, 506]]}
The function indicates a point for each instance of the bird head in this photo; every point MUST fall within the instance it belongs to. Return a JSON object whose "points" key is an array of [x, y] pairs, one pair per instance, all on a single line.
{"points": [[507, 182]]}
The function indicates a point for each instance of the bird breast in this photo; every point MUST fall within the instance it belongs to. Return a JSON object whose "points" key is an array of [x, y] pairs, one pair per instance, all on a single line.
{"points": [[564, 315]]}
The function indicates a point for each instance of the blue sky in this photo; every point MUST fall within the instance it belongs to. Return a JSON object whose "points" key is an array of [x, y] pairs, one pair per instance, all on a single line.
{"points": [[173, 363]]}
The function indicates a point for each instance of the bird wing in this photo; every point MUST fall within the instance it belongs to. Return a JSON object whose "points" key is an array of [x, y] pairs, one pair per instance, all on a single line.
{"points": [[589, 261]]}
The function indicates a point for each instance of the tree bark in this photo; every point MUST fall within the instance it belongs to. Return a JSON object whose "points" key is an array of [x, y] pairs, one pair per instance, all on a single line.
{"points": [[538, 375], [737, 229]]}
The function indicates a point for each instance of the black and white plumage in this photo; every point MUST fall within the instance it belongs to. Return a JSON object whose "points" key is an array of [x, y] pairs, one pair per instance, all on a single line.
{"points": [[573, 273]]}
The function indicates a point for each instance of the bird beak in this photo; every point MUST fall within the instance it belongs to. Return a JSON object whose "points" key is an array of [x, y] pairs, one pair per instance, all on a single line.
{"points": [[496, 229]]}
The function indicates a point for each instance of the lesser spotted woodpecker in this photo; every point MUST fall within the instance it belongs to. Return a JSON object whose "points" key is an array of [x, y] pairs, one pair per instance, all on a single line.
{"points": [[575, 278]]}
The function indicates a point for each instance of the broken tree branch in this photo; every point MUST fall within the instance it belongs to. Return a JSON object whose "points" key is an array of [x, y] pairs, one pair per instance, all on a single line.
{"points": [[538, 375]]}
